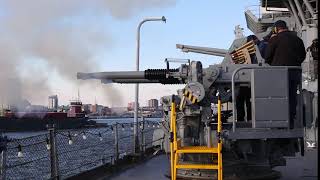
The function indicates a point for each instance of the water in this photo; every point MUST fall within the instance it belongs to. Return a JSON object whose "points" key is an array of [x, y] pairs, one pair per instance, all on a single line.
{"points": [[19, 135], [124, 120], [97, 148]]}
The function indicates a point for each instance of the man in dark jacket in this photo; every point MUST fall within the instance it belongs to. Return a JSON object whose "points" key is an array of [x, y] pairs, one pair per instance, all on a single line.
{"points": [[287, 49]]}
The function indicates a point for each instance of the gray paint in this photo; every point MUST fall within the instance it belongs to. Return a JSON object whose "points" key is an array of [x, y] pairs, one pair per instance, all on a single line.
{"points": [[270, 106]]}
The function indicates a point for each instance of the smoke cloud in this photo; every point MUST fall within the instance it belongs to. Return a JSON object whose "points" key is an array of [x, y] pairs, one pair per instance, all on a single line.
{"points": [[39, 38]]}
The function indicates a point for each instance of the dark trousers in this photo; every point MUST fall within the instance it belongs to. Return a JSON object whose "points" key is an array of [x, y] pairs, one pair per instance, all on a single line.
{"points": [[243, 98], [294, 81]]}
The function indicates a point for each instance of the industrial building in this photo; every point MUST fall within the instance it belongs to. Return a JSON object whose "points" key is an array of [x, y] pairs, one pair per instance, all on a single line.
{"points": [[53, 103], [153, 103]]}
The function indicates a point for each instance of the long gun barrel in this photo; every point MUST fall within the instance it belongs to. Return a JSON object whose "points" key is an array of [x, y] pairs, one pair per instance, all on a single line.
{"points": [[202, 50], [163, 76], [112, 75]]}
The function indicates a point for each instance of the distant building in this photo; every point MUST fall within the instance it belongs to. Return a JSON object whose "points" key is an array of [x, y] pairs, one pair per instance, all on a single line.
{"points": [[93, 108], [106, 111], [53, 103], [118, 110], [153, 103], [97, 109], [86, 108], [130, 106]]}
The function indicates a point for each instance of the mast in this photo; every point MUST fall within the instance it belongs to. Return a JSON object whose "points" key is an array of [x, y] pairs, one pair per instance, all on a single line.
{"points": [[78, 94]]}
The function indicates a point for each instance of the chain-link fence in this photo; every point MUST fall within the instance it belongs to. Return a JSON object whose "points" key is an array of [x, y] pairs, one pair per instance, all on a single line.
{"points": [[27, 158], [74, 151]]}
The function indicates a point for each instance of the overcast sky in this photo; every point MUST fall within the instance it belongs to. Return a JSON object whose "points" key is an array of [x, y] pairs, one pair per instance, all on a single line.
{"points": [[203, 23]]}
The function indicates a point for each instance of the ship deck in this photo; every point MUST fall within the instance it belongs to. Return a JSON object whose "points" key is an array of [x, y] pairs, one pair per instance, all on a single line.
{"points": [[156, 168]]}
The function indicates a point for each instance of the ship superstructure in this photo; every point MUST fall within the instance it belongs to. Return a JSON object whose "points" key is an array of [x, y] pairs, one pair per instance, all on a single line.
{"points": [[75, 109], [301, 16]]}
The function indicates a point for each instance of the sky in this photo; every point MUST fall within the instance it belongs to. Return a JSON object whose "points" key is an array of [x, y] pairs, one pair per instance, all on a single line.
{"points": [[201, 23]]}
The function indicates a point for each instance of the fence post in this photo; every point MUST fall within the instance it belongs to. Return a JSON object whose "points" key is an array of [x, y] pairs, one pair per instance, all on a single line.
{"points": [[54, 163], [142, 137], [3, 156], [116, 143]]}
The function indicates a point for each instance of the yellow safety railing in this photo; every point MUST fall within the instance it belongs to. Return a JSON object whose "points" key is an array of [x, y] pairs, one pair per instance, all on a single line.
{"points": [[176, 149]]}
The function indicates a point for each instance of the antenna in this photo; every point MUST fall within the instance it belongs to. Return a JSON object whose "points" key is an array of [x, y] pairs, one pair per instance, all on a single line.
{"points": [[78, 94], [1, 104], [1, 112]]}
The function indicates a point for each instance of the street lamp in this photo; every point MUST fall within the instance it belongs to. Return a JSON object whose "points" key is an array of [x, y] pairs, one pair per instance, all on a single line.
{"points": [[135, 121]]}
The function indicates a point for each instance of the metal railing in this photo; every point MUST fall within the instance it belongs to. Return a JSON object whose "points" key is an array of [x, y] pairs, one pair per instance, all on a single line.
{"points": [[260, 12], [233, 78], [60, 154], [255, 10]]}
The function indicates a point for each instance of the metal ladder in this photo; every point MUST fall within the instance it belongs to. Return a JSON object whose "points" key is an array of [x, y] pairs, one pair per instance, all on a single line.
{"points": [[176, 149]]}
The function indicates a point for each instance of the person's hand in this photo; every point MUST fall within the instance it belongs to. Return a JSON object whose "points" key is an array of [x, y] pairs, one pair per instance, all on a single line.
{"points": [[272, 35], [267, 37]]}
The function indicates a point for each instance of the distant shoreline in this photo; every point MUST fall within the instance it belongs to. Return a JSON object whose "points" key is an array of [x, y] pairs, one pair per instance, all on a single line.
{"points": [[117, 117]]}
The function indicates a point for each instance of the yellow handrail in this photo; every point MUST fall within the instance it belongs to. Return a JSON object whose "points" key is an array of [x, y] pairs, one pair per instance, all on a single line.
{"points": [[172, 136], [176, 149], [219, 141]]}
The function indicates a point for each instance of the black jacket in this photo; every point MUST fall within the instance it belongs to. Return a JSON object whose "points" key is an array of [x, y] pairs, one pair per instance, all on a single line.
{"points": [[285, 49]]}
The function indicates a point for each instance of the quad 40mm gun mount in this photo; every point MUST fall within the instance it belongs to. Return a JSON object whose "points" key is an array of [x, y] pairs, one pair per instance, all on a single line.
{"points": [[271, 134]]}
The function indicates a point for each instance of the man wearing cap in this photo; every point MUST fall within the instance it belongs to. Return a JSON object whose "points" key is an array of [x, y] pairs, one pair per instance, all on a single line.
{"points": [[287, 49]]}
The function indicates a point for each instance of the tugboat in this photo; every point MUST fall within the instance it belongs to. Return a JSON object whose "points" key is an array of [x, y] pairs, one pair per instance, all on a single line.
{"points": [[74, 118]]}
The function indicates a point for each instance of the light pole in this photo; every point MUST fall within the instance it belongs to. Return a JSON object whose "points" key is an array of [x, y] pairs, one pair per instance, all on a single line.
{"points": [[135, 121]]}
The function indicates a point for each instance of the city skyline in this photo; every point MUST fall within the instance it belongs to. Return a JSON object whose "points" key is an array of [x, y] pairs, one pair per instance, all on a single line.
{"points": [[53, 103]]}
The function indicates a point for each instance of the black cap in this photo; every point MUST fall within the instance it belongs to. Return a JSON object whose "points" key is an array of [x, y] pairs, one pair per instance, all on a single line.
{"points": [[280, 24]]}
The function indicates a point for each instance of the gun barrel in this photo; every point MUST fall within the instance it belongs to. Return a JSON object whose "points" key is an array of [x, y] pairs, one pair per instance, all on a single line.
{"points": [[202, 50], [134, 81], [112, 75], [148, 76]]}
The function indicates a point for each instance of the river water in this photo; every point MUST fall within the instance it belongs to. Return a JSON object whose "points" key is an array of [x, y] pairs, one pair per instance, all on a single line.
{"points": [[19, 135]]}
